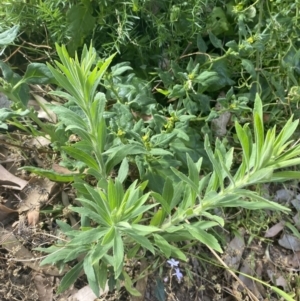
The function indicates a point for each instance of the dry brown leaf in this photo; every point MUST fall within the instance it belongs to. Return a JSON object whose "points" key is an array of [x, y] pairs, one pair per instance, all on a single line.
{"points": [[40, 106], [39, 141], [21, 254], [44, 286], [290, 242], [234, 251], [141, 284], [5, 214], [219, 125], [294, 260], [33, 217], [8, 180], [84, 294], [62, 170], [283, 195], [274, 230], [277, 279], [36, 193], [247, 269], [296, 202]]}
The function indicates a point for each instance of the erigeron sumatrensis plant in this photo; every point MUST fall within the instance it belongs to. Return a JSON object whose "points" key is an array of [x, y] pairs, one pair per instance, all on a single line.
{"points": [[120, 229]]}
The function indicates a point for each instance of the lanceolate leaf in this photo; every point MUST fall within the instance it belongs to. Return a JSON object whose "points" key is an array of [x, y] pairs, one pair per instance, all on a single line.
{"points": [[70, 277], [204, 237]]}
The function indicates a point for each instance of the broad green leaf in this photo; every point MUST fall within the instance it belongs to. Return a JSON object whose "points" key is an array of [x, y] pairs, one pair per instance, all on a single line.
{"points": [[286, 132], [118, 251], [217, 43], [90, 274], [63, 226], [258, 130], [70, 278], [162, 201], [123, 170], [115, 194], [104, 65], [226, 164], [6, 113], [65, 83], [158, 218], [52, 175], [193, 171], [261, 176], [168, 191], [100, 200], [81, 156], [268, 148], [245, 140], [185, 179], [163, 245], [216, 164], [248, 65], [69, 118], [204, 237], [216, 218], [144, 230], [87, 237], [99, 251], [109, 236], [116, 155], [159, 152], [141, 240], [37, 73], [136, 211], [177, 253], [101, 273], [163, 139], [75, 252], [120, 69], [56, 256], [89, 213], [8, 36], [129, 285], [283, 176]]}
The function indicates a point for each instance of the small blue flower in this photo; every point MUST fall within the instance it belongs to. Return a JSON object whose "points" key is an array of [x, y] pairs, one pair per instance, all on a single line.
{"points": [[178, 274], [173, 263]]}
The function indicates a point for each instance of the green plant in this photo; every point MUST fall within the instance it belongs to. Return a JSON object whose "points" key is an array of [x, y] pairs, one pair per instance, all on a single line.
{"points": [[120, 222], [16, 87]]}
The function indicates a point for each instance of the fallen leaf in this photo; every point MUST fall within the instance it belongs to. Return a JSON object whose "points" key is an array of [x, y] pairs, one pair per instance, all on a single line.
{"points": [[36, 193], [296, 202], [234, 251], [219, 125], [8, 180], [247, 269], [40, 106], [86, 294], [43, 286], [295, 260], [283, 195], [39, 141], [141, 284], [290, 242], [278, 280], [20, 254], [274, 230], [33, 217]]}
